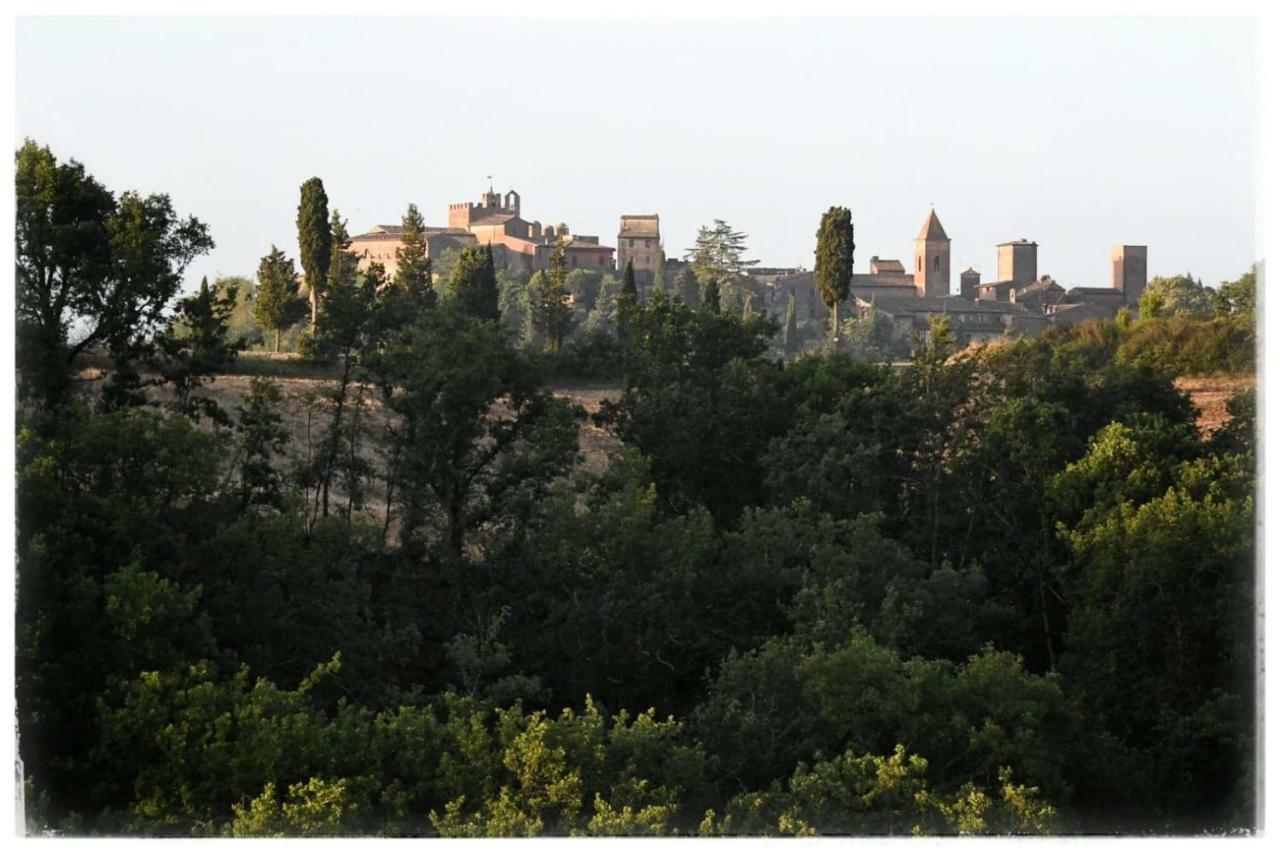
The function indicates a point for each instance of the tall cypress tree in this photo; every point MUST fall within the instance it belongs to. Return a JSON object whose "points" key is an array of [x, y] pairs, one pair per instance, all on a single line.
{"points": [[711, 295], [276, 304], [413, 267], [834, 266], [315, 241], [789, 331], [627, 301], [629, 281], [660, 272], [748, 307]]}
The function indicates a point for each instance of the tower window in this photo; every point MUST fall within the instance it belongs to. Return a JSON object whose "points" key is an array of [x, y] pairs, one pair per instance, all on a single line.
{"points": [[919, 264], [936, 261]]}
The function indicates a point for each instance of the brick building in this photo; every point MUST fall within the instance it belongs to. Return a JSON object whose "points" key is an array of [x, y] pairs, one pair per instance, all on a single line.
{"points": [[496, 222]]}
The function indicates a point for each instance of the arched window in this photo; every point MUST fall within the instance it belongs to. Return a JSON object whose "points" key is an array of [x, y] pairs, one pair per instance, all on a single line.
{"points": [[936, 262], [919, 264]]}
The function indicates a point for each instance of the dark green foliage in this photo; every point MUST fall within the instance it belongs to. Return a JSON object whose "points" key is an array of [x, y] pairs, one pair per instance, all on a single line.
{"points": [[551, 314], [92, 271], [1002, 591], [474, 284], [413, 267], [833, 266], [195, 348], [276, 304], [462, 465], [629, 282], [710, 298], [699, 404], [315, 240]]}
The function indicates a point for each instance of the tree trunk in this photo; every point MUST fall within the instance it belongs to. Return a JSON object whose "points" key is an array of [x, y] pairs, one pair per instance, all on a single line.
{"points": [[277, 341]]}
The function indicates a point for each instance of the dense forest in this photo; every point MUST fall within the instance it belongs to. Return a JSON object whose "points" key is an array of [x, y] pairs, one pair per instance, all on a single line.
{"points": [[1003, 589]]}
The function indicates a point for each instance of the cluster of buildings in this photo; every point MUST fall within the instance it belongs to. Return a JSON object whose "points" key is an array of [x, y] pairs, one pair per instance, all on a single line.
{"points": [[1019, 300], [495, 221]]}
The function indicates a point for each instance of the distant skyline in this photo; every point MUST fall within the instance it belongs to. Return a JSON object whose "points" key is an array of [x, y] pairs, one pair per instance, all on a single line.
{"points": [[1078, 133]]}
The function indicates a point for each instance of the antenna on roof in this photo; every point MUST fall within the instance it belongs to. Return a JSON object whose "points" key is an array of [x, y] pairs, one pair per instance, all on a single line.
{"points": [[490, 177]]}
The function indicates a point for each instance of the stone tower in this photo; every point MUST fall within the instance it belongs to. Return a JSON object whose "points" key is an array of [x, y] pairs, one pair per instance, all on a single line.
{"points": [[933, 259], [969, 281], [1129, 271], [1016, 261]]}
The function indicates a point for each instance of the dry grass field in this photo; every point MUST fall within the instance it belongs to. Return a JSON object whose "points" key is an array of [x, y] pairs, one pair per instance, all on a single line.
{"points": [[1210, 395]]}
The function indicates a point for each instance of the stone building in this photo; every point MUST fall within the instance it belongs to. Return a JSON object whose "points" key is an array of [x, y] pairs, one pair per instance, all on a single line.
{"points": [[972, 321], [379, 244], [496, 222], [640, 241], [1129, 271]]}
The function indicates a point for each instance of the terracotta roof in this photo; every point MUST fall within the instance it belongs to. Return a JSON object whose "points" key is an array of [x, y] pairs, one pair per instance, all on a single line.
{"points": [[932, 229]]}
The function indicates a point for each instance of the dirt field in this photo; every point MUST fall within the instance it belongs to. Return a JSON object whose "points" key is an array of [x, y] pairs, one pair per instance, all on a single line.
{"points": [[1210, 394]]}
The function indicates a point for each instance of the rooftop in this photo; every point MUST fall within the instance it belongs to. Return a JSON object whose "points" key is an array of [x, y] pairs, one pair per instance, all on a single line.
{"points": [[638, 225], [932, 228]]}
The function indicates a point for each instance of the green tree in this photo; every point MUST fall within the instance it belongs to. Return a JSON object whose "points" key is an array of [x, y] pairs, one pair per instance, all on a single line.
{"points": [[551, 312], [1175, 296], [474, 284], [195, 348], [833, 267], [660, 272], [346, 332], [276, 304], [718, 252], [91, 270], [315, 241], [413, 267], [463, 463], [1239, 297]]}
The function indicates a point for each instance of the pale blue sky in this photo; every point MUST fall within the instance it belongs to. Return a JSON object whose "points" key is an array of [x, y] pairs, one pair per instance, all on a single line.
{"points": [[1075, 132]]}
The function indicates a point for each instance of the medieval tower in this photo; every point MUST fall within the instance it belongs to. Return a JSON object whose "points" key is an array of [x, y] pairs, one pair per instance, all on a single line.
{"points": [[933, 259]]}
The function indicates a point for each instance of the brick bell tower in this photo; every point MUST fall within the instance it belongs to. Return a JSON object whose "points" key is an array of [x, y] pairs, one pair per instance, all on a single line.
{"points": [[933, 259]]}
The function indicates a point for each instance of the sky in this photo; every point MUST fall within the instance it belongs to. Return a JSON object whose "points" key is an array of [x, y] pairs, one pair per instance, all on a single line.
{"points": [[1078, 133]]}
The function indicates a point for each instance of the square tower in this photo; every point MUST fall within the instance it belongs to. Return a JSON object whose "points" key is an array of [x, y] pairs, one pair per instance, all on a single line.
{"points": [[1129, 271], [639, 241], [1016, 261]]}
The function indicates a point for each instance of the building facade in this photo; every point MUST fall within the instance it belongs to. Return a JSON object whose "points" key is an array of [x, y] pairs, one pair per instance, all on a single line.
{"points": [[640, 242], [496, 222]]}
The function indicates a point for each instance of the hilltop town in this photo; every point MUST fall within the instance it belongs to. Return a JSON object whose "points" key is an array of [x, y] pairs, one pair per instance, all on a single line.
{"points": [[1018, 301]]}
